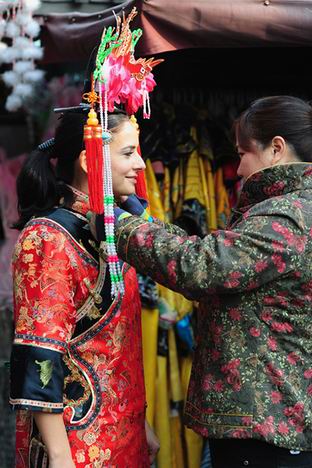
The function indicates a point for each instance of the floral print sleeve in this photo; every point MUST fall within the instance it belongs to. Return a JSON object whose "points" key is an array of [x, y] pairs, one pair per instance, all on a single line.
{"points": [[44, 318], [257, 250]]}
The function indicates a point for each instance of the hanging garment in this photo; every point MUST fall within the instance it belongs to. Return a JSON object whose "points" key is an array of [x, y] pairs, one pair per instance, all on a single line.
{"points": [[212, 216], [75, 351], [177, 189], [167, 397], [149, 336], [154, 195], [222, 200], [195, 213], [194, 442], [176, 398], [162, 412]]}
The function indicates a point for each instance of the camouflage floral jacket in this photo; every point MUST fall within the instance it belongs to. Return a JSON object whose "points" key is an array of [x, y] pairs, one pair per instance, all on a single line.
{"points": [[252, 368]]}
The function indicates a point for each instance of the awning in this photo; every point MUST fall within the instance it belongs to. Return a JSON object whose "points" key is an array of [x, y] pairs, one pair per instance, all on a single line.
{"points": [[170, 25], [182, 24], [71, 37]]}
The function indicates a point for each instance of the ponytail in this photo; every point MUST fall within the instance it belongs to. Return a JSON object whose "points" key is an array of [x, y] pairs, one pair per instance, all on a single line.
{"points": [[38, 189], [41, 185]]}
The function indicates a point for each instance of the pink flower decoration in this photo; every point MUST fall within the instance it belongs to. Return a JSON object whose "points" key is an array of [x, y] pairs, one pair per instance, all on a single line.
{"points": [[275, 188], [272, 344], [255, 332], [278, 262], [266, 428], [235, 314], [228, 242], [283, 428], [260, 265], [122, 87], [218, 386], [277, 246], [282, 327], [308, 374], [172, 270], [276, 397], [292, 358], [266, 316], [247, 420]]}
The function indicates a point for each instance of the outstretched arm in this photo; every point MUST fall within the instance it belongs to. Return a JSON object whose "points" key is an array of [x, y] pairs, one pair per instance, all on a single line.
{"points": [[255, 252]]}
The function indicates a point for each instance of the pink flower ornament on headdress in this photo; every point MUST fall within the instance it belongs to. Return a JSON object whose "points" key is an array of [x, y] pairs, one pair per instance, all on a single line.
{"points": [[116, 79]]}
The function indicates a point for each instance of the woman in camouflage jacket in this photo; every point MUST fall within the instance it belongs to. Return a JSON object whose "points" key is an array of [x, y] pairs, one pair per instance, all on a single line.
{"points": [[251, 383]]}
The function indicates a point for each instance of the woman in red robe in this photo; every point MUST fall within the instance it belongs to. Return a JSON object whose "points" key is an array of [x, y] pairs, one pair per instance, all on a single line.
{"points": [[76, 366]]}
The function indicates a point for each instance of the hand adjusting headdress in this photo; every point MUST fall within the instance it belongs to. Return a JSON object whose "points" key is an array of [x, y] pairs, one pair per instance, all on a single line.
{"points": [[118, 78]]}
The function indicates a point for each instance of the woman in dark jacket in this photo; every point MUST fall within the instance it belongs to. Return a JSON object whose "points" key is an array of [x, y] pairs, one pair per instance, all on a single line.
{"points": [[251, 383]]}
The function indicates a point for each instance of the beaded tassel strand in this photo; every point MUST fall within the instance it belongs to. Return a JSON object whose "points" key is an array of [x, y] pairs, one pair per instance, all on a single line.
{"points": [[117, 284]]}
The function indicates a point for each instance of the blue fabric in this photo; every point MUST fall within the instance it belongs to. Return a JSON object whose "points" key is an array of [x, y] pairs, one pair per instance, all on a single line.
{"points": [[134, 205], [185, 332], [119, 214], [26, 384], [206, 458]]}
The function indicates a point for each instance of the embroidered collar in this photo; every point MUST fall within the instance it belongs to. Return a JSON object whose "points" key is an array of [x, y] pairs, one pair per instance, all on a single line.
{"points": [[81, 203], [274, 182]]}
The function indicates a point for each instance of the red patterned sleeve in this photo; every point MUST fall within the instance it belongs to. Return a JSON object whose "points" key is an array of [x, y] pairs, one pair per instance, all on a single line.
{"points": [[45, 315]]}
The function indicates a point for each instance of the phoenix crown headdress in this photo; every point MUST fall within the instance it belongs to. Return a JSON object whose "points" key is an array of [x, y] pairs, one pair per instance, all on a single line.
{"points": [[117, 79]]}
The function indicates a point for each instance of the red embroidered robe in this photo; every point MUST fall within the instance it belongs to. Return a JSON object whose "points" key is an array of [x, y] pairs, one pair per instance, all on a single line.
{"points": [[74, 351]]}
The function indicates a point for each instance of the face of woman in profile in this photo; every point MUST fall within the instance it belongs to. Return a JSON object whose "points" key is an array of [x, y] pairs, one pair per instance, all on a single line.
{"points": [[125, 159], [253, 160]]}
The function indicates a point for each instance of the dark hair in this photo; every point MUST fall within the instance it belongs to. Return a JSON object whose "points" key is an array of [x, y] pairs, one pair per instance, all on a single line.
{"points": [[286, 116], [41, 185]]}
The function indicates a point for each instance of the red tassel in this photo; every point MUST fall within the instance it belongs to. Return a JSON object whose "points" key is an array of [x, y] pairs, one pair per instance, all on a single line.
{"points": [[94, 155], [140, 188]]}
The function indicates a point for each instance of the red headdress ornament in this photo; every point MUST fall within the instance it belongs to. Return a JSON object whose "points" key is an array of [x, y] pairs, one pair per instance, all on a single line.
{"points": [[118, 79]]}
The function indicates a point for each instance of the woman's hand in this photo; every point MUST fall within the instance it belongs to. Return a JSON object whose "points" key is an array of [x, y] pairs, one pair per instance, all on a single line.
{"points": [[152, 442]]}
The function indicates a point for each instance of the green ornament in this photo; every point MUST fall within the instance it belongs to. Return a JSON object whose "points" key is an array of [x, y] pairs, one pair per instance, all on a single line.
{"points": [[46, 369], [108, 43]]}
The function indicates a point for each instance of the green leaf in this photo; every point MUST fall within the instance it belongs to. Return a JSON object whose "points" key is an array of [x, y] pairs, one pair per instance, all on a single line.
{"points": [[46, 369], [103, 51]]}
